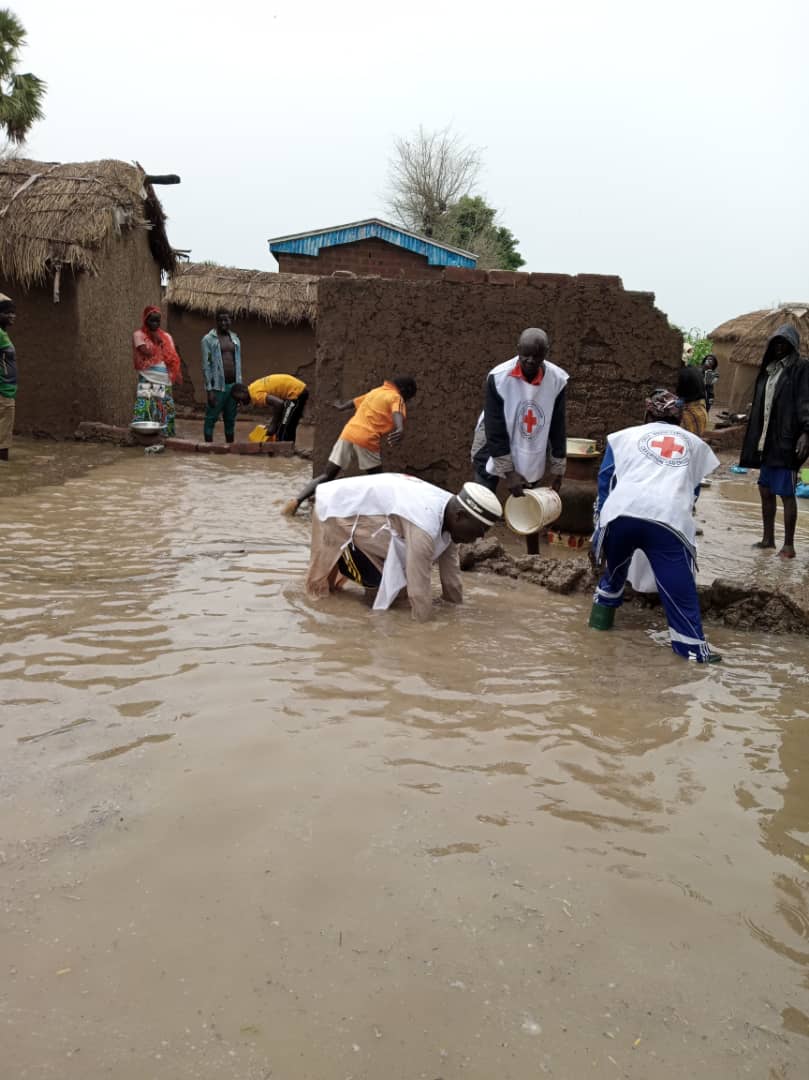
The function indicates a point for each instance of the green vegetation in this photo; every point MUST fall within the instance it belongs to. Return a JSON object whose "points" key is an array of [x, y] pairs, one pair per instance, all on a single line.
{"points": [[21, 96], [471, 224], [700, 345]]}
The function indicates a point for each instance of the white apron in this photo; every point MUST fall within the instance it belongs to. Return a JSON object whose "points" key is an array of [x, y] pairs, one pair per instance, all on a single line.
{"points": [[658, 468], [415, 500], [527, 410]]}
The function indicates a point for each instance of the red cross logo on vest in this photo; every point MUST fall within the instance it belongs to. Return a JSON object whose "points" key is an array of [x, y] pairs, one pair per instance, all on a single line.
{"points": [[531, 420], [665, 449], [668, 447]]}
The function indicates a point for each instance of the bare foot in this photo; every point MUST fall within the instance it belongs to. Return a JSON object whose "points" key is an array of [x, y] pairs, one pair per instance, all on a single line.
{"points": [[764, 544], [290, 508], [787, 552]]}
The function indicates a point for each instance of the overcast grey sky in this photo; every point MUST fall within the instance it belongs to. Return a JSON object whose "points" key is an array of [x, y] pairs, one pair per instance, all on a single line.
{"points": [[665, 142]]}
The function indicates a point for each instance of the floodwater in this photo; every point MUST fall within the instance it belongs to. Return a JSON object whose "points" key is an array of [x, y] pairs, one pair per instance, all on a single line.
{"points": [[244, 835]]}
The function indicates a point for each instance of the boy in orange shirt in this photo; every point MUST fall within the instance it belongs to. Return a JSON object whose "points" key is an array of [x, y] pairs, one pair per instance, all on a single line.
{"points": [[380, 412]]}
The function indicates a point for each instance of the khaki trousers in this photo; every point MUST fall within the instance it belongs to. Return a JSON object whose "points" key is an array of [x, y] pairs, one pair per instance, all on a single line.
{"points": [[6, 421]]}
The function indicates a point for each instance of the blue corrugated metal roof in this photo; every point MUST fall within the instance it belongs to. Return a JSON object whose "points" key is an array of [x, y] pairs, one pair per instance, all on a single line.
{"points": [[310, 243]]}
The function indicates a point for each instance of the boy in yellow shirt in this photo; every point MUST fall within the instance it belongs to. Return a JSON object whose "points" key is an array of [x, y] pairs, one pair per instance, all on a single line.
{"points": [[285, 397], [381, 411]]}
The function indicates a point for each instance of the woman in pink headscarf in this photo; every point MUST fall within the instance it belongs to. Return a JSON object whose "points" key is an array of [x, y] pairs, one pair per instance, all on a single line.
{"points": [[157, 363]]}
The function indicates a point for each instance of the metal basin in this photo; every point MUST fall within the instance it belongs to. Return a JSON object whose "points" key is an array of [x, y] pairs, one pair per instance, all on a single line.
{"points": [[146, 427]]}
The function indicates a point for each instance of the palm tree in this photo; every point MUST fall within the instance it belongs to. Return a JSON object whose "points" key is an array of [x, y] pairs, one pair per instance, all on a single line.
{"points": [[21, 96]]}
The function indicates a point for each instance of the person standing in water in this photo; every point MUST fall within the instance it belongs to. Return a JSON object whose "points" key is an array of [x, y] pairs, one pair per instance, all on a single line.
{"points": [[776, 441], [521, 432], [8, 375], [382, 411], [157, 363], [221, 371], [647, 486]]}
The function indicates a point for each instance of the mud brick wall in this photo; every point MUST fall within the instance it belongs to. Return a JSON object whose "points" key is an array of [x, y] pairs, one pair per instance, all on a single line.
{"points": [[362, 257], [110, 310], [615, 344], [75, 357], [266, 349]]}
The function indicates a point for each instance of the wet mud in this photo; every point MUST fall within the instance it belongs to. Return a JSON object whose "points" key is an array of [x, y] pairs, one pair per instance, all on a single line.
{"points": [[247, 835], [749, 606]]}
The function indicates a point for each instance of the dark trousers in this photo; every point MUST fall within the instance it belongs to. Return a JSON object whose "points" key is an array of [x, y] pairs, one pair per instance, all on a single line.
{"points": [[226, 407], [673, 568], [481, 476], [293, 411]]}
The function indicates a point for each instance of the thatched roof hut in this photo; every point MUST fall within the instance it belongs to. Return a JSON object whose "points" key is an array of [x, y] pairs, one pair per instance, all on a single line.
{"points": [[82, 250], [273, 314], [247, 294], [745, 337], [54, 216], [739, 345]]}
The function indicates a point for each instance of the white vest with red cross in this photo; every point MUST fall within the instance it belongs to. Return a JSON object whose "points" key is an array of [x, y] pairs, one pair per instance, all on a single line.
{"points": [[528, 410], [658, 467]]}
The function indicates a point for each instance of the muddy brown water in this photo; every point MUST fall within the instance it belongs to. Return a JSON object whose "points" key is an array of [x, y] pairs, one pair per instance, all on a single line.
{"points": [[249, 836]]}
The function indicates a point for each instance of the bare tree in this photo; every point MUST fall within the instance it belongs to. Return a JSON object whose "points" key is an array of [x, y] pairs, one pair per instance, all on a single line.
{"points": [[427, 174]]}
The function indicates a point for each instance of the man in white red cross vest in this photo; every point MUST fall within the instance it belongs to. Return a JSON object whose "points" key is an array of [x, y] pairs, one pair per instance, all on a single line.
{"points": [[647, 486], [523, 418]]}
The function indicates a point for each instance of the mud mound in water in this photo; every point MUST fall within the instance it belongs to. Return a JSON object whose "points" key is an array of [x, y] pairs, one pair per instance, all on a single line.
{"points": [[558, 575], [751, 607], [744, 606]]}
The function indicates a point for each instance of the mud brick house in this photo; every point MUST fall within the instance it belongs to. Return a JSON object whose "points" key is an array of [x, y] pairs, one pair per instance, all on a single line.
{"points": [[273, 314], [370, 247], [82, 250]]}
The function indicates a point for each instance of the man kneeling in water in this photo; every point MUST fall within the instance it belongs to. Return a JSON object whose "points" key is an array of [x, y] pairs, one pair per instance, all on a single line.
{"points": [[386, 531]]}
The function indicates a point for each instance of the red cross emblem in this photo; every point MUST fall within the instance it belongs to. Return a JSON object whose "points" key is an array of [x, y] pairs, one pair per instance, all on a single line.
{"points": [[529, 421], [668, 447]]}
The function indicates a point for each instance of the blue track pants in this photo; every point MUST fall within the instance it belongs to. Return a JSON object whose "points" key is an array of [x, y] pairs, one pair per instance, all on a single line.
{"points": [[673, 567]]}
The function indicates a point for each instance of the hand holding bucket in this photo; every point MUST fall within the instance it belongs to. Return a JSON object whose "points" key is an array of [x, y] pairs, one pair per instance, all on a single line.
{"points": [[528, 513]]}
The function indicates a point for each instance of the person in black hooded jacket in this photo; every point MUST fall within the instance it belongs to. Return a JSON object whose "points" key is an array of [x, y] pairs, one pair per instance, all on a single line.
{"points": [[777, 437]]}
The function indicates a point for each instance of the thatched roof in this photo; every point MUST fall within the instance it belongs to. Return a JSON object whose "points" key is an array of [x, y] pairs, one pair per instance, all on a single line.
{"points": [[274, 298], [747, 335], [54, 215]]}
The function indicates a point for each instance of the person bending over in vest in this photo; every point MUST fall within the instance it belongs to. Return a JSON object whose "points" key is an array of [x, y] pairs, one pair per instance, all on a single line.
{"points": [[523, 418], [385, 532], [285, 397], [221, 371], [647, 487], [382, 411], [776, 441]]}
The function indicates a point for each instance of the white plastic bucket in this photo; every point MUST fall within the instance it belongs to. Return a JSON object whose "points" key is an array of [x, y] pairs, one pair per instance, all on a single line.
{"points": [[532, 511], [581, 447]]}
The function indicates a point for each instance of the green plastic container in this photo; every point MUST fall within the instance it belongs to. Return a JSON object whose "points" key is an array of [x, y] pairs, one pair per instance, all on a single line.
{"points": [[803, 476]]}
